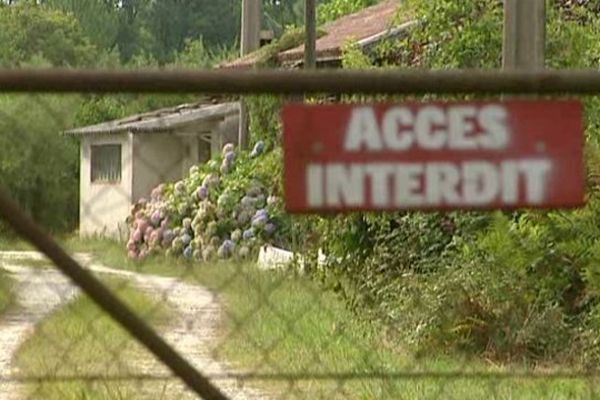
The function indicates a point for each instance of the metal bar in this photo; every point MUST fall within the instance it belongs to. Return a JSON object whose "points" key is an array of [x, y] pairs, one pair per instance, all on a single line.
{"points": [[29, 230], [320, 376], [299, 82], [310, 44]]}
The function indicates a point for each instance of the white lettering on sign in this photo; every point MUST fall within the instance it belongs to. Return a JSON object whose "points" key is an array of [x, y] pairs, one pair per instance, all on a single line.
{"points": [[389, 185], [457, 127]]}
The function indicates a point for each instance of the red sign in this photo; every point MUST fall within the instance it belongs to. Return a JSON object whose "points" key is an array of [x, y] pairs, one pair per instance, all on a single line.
{"points": [[433, 156]]}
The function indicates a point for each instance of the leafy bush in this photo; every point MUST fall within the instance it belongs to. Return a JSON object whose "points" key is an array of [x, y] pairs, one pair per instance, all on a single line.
{"points": [[30, 31], [334, 9], [515, 291], [39, 167]]}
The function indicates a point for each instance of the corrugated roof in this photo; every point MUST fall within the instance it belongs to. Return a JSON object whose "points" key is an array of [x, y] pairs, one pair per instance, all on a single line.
{"points": [[371, 24], [164, 120]]}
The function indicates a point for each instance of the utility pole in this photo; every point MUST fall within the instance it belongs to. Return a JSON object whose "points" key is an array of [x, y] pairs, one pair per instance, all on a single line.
{"points": [[251, 24], [250, 41], [524, 34], [310, 44]]}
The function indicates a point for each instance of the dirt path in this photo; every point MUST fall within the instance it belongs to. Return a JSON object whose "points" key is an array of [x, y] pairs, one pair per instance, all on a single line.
{"points": [[193, 331], [39, 292]]}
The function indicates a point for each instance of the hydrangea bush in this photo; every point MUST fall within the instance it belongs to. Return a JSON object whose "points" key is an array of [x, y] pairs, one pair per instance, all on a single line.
{"points": [[225, 208]]}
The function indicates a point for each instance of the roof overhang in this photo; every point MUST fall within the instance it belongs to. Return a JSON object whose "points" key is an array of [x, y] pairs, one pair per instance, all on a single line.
{"points": [[163, 121]]}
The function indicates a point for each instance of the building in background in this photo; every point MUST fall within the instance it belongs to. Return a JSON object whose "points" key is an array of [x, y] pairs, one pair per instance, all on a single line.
{"points": [[123, 160], [367, 28]]}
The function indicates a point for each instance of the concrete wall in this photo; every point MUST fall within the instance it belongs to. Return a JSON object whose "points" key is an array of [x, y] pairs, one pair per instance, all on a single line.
{"points": [[226, 132], [105, 206], [157, 158], [191, 153]]}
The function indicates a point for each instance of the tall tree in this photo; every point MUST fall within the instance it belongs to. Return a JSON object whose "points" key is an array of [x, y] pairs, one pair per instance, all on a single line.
{"points": [[99, 19], [29, 31], [170, 23]]}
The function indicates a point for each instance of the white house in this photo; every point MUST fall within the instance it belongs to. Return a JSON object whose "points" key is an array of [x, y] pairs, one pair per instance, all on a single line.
{"points": [[123, 160]]}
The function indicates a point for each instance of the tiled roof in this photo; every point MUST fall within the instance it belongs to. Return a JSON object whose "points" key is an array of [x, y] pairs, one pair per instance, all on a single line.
{"points": [[370, 24]]}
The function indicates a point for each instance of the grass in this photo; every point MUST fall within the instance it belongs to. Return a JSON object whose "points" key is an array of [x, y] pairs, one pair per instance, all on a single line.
{"points": [[283, 323], [79, 340], [13, 243], [32, 263], [7, 295]]}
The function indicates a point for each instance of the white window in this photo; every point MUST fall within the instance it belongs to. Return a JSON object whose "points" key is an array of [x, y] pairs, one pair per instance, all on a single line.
{"points": [[106, 163]]}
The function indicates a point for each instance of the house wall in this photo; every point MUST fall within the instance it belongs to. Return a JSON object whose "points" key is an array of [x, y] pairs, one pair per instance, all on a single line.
{"points": [[159, 158], [227, 132], [105, 206]]}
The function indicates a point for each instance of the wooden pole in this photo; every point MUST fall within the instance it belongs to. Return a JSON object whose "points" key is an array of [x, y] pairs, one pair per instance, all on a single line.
{"points": [[524, 34], [310, 23], [250, 41], [251, 24]]}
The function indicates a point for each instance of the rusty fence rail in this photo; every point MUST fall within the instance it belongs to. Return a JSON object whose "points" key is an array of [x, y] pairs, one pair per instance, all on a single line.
{"points": [[582, 82]]}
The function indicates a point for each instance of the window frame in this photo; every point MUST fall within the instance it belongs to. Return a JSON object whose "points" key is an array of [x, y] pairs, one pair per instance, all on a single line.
{"points": [[109, 175]]}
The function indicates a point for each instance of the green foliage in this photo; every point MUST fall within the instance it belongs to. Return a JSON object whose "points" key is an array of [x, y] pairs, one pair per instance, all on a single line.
{"points": [[7, 291], [516, 290], [158, 28], [94, 109], [267, 55], [196, 54], [98, 19], [456, 34], [265, 121], [37, 165], [30, 31], [335, 9], [169, 24]]}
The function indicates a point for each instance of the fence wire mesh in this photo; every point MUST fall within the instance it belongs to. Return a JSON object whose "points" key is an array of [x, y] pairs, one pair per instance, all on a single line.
{"points": [[191, 235]]}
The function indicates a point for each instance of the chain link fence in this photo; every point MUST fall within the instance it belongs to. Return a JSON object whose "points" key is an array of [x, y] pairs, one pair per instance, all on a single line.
{"points": [[159, 294]]}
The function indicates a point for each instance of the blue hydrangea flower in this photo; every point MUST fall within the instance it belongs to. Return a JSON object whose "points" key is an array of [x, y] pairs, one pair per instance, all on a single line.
{"points": [[270, 229], [248, 234], [229, 157], [202, 193]]}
